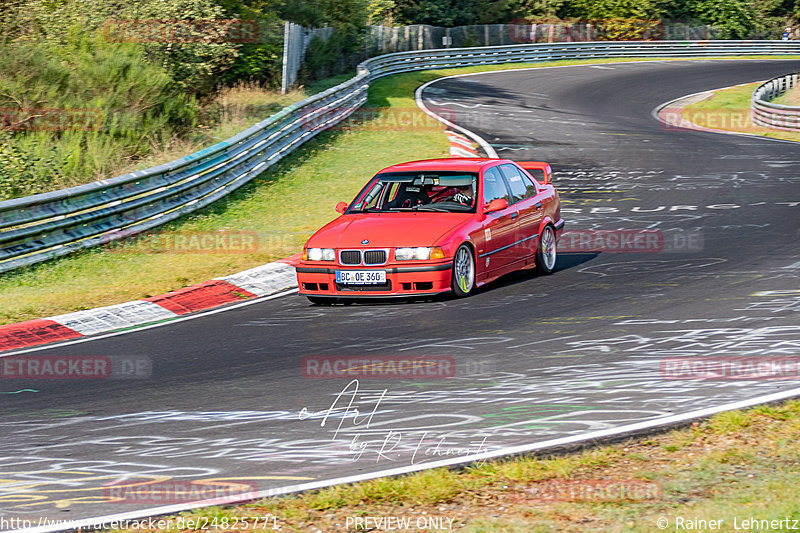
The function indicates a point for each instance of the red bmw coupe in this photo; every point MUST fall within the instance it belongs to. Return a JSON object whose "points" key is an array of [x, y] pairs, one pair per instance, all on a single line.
{"points": [[434, 226]]}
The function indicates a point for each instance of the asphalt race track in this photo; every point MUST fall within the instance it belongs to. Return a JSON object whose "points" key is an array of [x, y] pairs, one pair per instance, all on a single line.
{"points": [[533, 358]]}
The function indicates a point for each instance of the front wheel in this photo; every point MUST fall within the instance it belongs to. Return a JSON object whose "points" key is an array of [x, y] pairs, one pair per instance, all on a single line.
{"points": [[546, 253], [463, 281], [320, 300]]}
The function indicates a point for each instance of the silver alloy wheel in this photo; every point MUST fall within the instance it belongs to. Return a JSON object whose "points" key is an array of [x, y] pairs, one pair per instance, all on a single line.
{"points": [[549, 248], [464, 270]]}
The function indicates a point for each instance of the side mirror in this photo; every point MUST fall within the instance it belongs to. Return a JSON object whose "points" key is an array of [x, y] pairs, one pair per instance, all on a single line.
{"points": [[498, 204], [341, 207]]}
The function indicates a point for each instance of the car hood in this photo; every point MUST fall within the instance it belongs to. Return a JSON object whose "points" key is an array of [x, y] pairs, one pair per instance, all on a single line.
{"points": [[386, 230]]}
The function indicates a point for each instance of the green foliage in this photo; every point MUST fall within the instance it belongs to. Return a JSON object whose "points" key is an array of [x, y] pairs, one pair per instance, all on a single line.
{"points": [[21, 169], [538, 9], [108, 101], [454, 12], [733, 17], [328, 57], [611, 9], [193, 65]]}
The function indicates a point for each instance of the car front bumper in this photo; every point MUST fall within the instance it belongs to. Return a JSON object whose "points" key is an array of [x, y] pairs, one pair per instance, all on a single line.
{"points": [[314, 279]]}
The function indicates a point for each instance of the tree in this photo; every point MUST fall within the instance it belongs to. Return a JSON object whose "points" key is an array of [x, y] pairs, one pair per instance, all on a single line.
{"points": [[732, 17]]}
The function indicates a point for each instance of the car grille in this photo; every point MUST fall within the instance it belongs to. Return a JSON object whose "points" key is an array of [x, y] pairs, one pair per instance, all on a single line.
{"points": [[370, 257], [374, 257], [350, 257]]}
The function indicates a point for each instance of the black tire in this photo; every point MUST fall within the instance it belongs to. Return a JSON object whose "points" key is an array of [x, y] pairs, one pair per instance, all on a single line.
{"points": [[463, 278], [546, 253], [320, 300]]}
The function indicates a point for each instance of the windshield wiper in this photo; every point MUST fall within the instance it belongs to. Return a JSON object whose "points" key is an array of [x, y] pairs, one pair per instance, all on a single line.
{"points": [[430, 208]]}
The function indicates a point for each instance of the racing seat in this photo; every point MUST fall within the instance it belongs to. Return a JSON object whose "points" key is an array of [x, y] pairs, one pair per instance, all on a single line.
{"points": [[409, 196]]}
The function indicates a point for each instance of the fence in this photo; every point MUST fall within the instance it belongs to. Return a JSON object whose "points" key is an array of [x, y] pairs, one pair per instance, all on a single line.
{"points": [[379, 40], [295, 42], [44, 226], [771, 115], [420, 37]]}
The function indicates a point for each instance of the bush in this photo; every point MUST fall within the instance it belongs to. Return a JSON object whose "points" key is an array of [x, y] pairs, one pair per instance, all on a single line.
{"points": [[113, 103]]}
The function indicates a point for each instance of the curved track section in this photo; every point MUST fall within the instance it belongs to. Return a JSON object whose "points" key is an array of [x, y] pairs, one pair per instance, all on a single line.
{"points": [[527, 360]]}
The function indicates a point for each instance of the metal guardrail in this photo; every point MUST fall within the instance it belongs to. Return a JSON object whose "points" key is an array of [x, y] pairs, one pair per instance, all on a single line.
{"points": [[44, 226], [778, 116]]}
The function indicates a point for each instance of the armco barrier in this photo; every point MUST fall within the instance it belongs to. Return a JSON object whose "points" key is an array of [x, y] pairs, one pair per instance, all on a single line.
{"points": [[766, 113], [43, 226]]}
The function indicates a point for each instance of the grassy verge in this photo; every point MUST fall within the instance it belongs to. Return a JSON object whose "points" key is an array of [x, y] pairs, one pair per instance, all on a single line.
{"points": [[231, 110], [729, 110], [790, 97], [737, 466], [283, 206]]}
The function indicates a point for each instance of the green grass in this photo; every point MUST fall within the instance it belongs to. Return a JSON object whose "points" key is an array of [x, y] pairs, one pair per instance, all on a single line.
{"points": [[790, 97], [737, 465], [283, 206], [729, 110]]}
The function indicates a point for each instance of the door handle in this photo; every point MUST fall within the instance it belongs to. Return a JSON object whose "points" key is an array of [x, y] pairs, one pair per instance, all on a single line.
{"points": [[538, 205], [514, 215]]}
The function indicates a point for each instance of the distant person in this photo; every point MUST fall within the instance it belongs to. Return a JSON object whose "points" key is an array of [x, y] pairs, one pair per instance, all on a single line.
{"points": [[787, 35]]}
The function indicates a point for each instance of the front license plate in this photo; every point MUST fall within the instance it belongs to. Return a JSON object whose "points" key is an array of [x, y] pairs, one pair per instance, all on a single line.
{"points": [[361, 277]]}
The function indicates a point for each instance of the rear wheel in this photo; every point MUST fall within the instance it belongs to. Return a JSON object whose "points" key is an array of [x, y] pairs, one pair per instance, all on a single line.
{"points": [[546, 253], [463, 281]]}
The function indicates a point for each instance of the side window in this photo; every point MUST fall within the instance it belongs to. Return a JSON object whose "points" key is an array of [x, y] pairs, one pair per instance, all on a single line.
{"points": [[531, 188], [519, 189], [493, 186]]}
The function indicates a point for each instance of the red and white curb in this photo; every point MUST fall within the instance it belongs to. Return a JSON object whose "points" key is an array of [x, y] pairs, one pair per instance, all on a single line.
{"points": [[461, 146], [253, 283]]}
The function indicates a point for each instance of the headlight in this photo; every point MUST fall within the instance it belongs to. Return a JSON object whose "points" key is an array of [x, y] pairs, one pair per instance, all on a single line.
{"points": [[420, 253], [319, 254]]}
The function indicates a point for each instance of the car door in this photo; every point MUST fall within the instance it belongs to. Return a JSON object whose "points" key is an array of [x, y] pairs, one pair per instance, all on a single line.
{"points": [[499, 227], [529, 208]]}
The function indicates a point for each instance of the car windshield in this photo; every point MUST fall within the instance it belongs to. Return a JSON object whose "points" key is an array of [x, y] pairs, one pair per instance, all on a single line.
{"points": [[448, 192]]}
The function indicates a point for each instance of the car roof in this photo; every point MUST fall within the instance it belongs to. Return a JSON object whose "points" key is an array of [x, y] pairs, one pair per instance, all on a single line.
{"points": [[457, 164]]}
